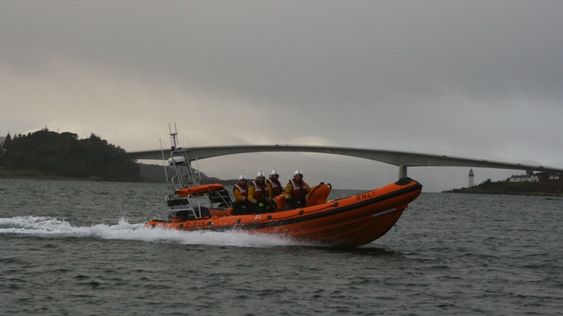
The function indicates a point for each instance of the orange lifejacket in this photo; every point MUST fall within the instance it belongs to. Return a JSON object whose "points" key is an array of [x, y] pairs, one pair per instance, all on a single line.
{"points": [[299, 191], [276, 186], [260, 191], [242, 190]]}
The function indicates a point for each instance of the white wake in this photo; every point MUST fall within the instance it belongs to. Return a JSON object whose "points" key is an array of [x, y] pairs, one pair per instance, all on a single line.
{"points": [[55, 227]]}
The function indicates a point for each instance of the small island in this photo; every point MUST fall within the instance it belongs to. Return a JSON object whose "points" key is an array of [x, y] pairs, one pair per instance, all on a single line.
{"points": [[543, 184]]}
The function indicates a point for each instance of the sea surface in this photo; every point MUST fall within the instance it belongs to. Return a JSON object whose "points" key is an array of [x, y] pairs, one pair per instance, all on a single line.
{"points": [[80, 248]]}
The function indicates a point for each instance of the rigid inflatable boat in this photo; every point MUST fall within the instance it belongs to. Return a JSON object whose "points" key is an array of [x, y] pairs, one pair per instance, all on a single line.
{"points": [[349, 221]]}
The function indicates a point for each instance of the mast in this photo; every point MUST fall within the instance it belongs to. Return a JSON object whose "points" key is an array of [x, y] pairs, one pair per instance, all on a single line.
{"points": [[180, 162], [162, 153], [173, 136]]}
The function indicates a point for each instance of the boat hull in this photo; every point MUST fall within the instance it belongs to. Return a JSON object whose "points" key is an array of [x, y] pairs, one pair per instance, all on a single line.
{"points": [[350, 221]]}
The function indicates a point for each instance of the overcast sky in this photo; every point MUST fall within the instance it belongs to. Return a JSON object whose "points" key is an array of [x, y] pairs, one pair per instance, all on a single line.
{"points": [[478, 79]]}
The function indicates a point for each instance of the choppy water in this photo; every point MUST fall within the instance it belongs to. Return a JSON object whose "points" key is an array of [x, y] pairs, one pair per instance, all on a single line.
{"points": [[79, 248]]}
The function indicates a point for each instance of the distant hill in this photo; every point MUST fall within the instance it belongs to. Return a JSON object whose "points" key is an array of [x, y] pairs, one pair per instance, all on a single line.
{"points": [[46, 153]]}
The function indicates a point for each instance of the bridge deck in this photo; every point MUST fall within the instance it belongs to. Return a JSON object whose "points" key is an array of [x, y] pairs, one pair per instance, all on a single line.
{"points": [[397, 158]]}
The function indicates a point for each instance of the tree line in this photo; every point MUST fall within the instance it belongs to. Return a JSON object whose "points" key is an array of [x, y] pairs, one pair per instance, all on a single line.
{"points": [[64, 154]]}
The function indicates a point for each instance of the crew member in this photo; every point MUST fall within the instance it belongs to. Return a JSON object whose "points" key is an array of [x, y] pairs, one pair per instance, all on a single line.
{"points": [[260, 195], [241, 205], [274, 183], [296, 190]]}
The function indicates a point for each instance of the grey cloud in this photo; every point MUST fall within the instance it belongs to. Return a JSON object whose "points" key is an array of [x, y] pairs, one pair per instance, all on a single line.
{"points": [[302, 54], [471, 78]]}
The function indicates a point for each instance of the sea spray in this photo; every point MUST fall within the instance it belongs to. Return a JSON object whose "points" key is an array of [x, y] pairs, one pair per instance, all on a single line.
{"points": [[123, 230]]}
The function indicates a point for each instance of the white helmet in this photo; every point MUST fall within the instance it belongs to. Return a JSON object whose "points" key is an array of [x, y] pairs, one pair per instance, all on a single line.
{"points": [[297, 172], [242, 177], [260, 174], [274, 172]]}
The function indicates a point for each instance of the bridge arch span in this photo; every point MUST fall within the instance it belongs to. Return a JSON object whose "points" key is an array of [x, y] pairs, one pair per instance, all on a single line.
{"points": [[401, 159]]}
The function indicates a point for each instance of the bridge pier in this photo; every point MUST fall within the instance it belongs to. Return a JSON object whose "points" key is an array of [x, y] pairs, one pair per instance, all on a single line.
{"points": [[402, 171]]}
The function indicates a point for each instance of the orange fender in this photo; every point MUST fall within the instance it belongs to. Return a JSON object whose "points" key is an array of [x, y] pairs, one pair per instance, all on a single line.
{"points": [[203, 188], [318, 194]]}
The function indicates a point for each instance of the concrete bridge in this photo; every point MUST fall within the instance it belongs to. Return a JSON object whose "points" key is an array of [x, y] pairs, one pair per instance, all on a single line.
{"points": [[403, 160]]}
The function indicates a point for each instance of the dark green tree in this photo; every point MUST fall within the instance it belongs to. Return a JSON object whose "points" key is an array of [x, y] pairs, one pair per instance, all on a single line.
{"points": [[7, 142], [64, 154]]}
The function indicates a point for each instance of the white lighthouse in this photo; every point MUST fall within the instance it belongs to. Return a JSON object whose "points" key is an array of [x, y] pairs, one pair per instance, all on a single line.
{"points": [[471, 181]]}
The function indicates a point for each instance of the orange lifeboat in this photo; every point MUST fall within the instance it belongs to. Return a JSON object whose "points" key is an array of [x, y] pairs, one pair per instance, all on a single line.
{"points": [[351, 221]]}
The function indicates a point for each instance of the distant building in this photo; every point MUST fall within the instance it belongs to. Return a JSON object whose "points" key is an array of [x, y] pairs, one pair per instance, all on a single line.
{"points": [[544, 176], [528, 177]]}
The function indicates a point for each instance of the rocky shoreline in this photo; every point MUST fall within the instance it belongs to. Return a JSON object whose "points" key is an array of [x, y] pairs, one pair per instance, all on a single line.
{"points": [[148, 173], [545, 188]]}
